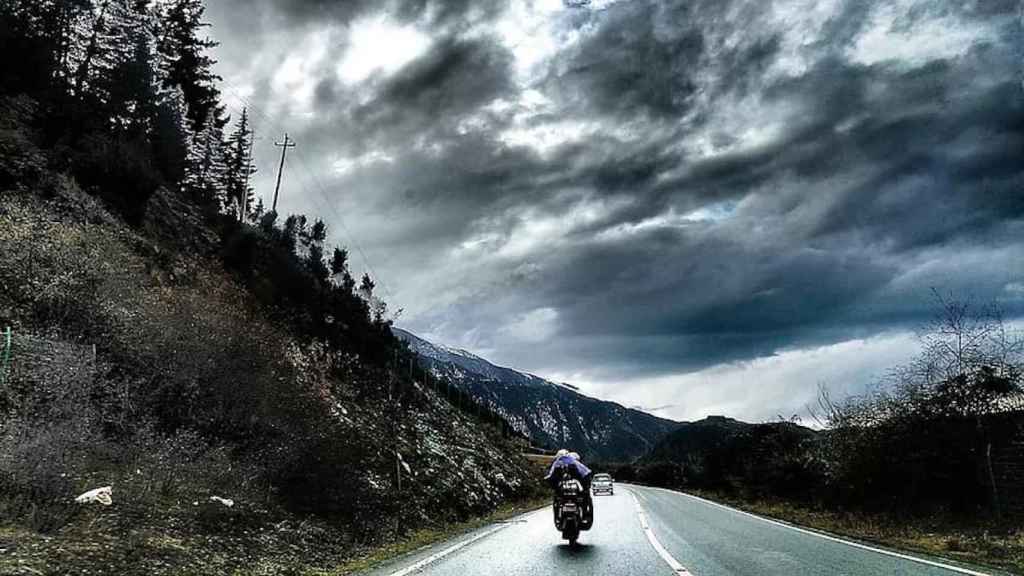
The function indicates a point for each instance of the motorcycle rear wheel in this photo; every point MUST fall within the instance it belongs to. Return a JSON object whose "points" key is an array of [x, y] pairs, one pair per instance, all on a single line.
{"points": [[571, 532]]}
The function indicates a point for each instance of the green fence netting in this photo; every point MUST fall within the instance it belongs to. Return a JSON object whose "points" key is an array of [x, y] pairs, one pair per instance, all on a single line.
{"points": [[5, 356]]}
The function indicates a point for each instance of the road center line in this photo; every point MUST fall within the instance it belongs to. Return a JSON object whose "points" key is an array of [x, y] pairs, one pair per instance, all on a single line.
{"points": [[833, 538], [678, 568]]}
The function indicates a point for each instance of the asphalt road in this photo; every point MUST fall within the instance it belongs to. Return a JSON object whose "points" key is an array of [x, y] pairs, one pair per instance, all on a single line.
{"points": [[641, 531]]}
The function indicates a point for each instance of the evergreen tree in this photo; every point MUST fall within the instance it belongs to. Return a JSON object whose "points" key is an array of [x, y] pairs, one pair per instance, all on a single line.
{"points": [[315, 258], [256, 215], [377, 306], [125, 76], [238, 167], [39, 37], [339, 262], [290, 230], [316, 235], [170, 137], [184, 60], [87, 46], [206, 163], [340, 273], [60, 21], [366, 287]]}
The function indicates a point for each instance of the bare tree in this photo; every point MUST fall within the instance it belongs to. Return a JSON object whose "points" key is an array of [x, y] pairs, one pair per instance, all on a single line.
{"points": [[969, 367]]}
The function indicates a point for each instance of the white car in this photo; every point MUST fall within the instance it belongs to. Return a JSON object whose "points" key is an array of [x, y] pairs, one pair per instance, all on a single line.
{"points": [[602, 483]]}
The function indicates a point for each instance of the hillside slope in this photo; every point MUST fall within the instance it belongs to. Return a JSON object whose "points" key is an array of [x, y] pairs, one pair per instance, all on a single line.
{"points": [[551, 414], [139, 362], [719, 452]]}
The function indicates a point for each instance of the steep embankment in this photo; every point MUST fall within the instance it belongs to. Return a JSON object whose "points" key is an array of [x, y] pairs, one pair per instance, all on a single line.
{"points": [[139, 363], [551, 414]]}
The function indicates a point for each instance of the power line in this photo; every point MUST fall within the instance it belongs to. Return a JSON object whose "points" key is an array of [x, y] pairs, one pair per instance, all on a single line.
{"points": [[321, 189]]}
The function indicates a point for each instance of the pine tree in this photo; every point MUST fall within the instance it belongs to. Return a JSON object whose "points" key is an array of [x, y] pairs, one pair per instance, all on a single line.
{"points": [[206, 163], [340, 273], [238, 166], [111, 54], [366, 287], [126, 79], [315, 247], [378, 309], [87, 45], [170, 136], [39, 37], [256, 215], [184, 60], [60, 22]]}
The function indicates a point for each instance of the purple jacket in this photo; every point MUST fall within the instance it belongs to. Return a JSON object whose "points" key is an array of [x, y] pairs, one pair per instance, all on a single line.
{"points": [[568, 464]]}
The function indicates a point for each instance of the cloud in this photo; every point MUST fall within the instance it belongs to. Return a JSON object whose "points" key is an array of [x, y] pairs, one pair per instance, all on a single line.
{"points": [[631, 192], [780, 385], [653, 409], [535, 326]]}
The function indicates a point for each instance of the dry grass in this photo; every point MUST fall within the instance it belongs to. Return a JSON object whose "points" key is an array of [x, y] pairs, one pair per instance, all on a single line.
{"points": [[972, 541], [428, 536], [167, 542]]}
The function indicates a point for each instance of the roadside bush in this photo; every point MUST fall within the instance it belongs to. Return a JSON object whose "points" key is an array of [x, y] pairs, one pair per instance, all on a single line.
{"points": [[922, 440], [668, 474]]}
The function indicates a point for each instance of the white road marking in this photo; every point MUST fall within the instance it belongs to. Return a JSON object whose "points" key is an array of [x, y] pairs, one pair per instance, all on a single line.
{"points": [[453, 548], [678, 568], [833, 538], [456, 547]]}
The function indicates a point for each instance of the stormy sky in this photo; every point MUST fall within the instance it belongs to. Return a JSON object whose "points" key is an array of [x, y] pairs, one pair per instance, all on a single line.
{"points": [[693, 206]]}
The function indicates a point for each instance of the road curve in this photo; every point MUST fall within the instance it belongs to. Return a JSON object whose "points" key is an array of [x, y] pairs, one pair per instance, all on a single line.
{"points": [[649, 531]]}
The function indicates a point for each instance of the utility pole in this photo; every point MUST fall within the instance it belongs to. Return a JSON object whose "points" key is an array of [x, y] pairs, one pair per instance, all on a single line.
{"points": [[284, 146]]}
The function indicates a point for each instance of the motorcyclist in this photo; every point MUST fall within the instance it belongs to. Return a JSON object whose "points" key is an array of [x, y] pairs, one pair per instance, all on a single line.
{"points": [[568, 463]]}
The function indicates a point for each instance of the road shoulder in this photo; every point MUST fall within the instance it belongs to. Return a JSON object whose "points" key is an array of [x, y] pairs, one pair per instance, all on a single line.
{"points": [[423, 544], [974, 565]]}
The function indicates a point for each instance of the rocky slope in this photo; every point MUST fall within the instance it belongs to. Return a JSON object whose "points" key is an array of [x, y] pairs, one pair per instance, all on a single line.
{"points": [[551, 414]]}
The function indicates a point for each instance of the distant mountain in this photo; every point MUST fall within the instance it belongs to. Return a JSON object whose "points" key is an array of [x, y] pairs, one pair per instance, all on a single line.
{"points": [[718, 435], [720, 452], [552, 414]]}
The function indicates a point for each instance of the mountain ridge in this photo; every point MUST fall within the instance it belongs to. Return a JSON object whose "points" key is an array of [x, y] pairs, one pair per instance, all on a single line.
{"points": [[551, 414]]}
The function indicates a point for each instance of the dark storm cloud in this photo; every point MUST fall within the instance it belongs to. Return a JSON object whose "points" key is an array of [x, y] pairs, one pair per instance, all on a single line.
{"points": [[440, 12], [454, 78], [626, 67], [734, 191], [893, 182], [645, 57]]}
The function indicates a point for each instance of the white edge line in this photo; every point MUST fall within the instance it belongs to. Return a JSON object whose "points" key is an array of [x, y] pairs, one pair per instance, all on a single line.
{"points": [[674, 564], [453, 548], [832, 538]]}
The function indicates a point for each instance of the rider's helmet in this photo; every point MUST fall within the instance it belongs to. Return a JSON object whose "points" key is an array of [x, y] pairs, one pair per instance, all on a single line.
{"points": [[561, 453]]}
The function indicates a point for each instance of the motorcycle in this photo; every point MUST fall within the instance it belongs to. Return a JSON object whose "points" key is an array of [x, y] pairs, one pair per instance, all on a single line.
{"points": [[572, 513]]}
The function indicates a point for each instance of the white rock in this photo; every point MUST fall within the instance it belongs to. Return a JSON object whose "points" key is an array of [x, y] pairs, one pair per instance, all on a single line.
{"points": [[101, 495], [225, 501]]}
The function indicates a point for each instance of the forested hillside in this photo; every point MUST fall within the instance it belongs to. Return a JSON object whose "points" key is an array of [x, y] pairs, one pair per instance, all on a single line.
{"points": [[217, 366]]}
